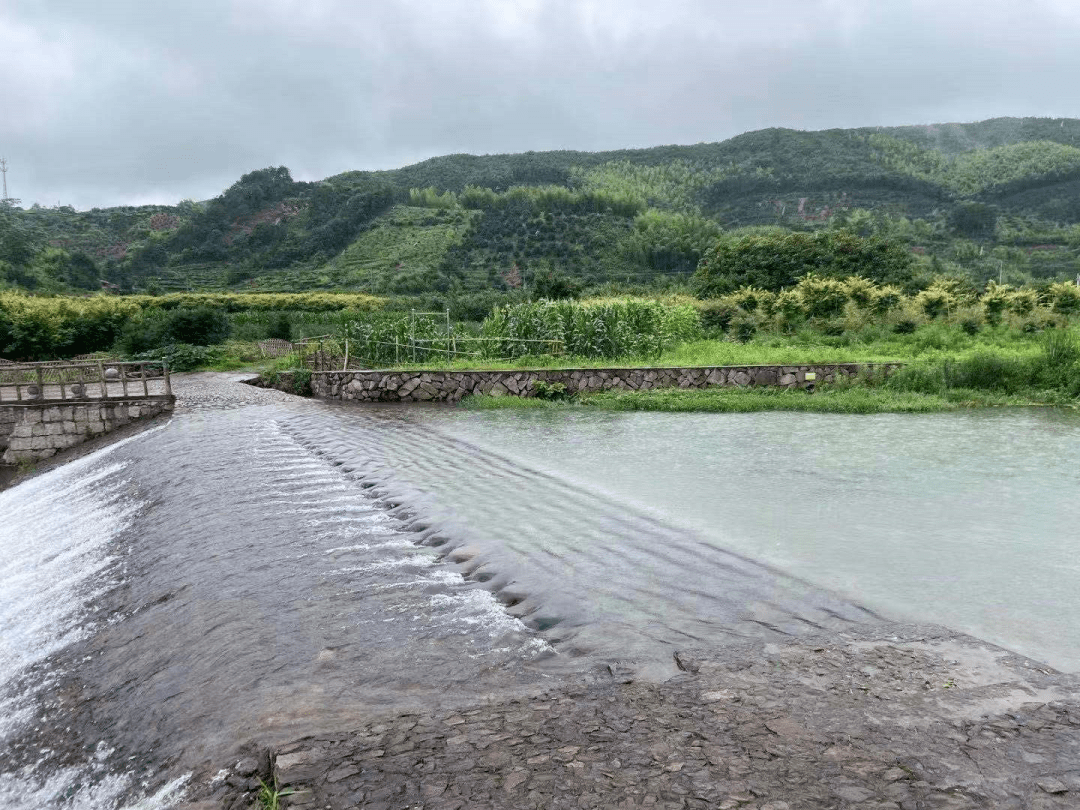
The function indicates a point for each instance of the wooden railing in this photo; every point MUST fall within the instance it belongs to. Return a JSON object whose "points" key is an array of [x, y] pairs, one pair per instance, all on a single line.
{"points": [[60, 381]]}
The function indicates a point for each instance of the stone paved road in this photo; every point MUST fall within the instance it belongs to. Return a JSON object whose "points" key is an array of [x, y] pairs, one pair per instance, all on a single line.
{"points": [[903, 718], [215, 389]]}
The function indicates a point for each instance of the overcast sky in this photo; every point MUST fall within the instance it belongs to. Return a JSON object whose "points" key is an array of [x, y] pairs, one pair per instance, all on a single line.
{"points": [[130, 101]]}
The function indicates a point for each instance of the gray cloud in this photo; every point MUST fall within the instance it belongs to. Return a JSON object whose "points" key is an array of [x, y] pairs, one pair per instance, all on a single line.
{"points": [[120, 101]]}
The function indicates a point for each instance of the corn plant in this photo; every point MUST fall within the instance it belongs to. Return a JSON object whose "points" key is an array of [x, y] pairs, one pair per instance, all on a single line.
{"points": [[604, 329]]}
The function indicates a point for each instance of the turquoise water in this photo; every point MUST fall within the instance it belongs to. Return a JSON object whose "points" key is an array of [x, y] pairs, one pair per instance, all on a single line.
{"points": [[970, 520]]}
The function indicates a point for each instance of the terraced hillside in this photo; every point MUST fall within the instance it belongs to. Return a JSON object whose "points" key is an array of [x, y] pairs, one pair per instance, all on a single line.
{"points": [[995, 199]]}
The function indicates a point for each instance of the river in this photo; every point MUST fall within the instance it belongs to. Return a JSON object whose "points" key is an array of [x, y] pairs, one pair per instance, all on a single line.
{"points": [[262, 567]]}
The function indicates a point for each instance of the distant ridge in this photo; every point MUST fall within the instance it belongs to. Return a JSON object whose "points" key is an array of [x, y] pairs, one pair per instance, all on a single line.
{"points": [[957, 193]]}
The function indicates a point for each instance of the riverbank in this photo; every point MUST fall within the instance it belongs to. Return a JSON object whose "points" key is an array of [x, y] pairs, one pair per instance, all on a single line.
{"points": [[1050, 377], [889, 717], [845, 400]]}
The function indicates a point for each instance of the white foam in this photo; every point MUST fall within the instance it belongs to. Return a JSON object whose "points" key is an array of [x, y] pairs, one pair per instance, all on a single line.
{"points": [[54, 547], [477, 609], [55, 551], [402, 543], [97, 789], [383, 565]]}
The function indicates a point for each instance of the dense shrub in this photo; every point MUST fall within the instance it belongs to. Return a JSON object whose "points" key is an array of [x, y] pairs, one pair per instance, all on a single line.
{"points": [[180, 356], [279, 327], [780, 259], [33, 328], [196, 326], [823, 297], [239, 302], [1023, 302], [1055, 370], [935, 302], [1065, 298], [716, 314]]}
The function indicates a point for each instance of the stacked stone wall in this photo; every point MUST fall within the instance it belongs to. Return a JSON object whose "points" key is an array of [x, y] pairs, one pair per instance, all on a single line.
{"points": [[452, 386], [35, 432]]}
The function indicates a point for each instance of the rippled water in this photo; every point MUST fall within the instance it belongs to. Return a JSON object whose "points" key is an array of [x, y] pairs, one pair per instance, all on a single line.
{"points": [[260, 573], [964, 519], [212, 583]]}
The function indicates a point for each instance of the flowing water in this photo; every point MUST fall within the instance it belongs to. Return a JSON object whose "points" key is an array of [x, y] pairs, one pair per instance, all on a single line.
{"points": [[964, 519], [257, 573]]}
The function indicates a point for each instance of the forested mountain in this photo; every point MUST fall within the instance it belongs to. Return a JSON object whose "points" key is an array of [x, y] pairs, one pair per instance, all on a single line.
{"points": [[994, 199]]}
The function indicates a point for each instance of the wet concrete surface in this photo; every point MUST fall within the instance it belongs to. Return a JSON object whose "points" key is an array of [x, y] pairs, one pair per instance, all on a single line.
{"points": [[899, 717]]}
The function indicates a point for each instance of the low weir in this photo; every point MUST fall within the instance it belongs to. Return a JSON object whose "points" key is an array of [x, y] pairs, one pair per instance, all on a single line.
{"points": [[263, 571]]}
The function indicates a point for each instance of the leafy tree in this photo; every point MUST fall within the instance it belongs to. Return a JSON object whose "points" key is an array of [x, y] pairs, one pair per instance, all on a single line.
{"points": [[776, 260], [82, 272], [280, 326], [553, 285], [974, 220], [18, 240], [197, 326]]}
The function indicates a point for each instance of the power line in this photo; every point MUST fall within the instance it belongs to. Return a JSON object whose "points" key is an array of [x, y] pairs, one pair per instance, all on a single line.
{"points": [[3, 170]]}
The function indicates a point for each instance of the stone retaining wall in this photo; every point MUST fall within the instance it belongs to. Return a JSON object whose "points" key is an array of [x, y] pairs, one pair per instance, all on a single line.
{"points": [[34, 432], [451, 386]]}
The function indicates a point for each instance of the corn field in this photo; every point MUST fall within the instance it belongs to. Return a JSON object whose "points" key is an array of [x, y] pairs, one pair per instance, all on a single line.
{"points": [[600, 329]]}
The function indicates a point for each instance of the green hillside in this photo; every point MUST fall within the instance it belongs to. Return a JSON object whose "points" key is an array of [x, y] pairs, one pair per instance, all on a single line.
{"points": [[997, 199]]}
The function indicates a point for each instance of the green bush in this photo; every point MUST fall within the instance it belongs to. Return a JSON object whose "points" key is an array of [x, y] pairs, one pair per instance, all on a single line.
{"points": [[744, 327], [198, 326], [181, 356], [279, 327], [1023, 302], [301, 382], [717, 314], [935, 302], [1055, 371], [549, 391], [1065, 298], [861, 291], [995, 301], [823, 297], [779, 259], [885, 299]]}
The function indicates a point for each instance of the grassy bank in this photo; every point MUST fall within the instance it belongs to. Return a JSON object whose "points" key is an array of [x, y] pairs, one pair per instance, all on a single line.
{"points": [[1041, 371], [869, 345], [849, 400]]}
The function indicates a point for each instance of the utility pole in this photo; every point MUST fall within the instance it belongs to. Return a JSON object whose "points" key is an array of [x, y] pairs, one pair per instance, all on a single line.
{"points": [[3, 170]]}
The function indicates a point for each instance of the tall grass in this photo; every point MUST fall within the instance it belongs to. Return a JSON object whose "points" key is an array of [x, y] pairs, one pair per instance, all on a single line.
{"points": [[1052, 374], [747, 400]]}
